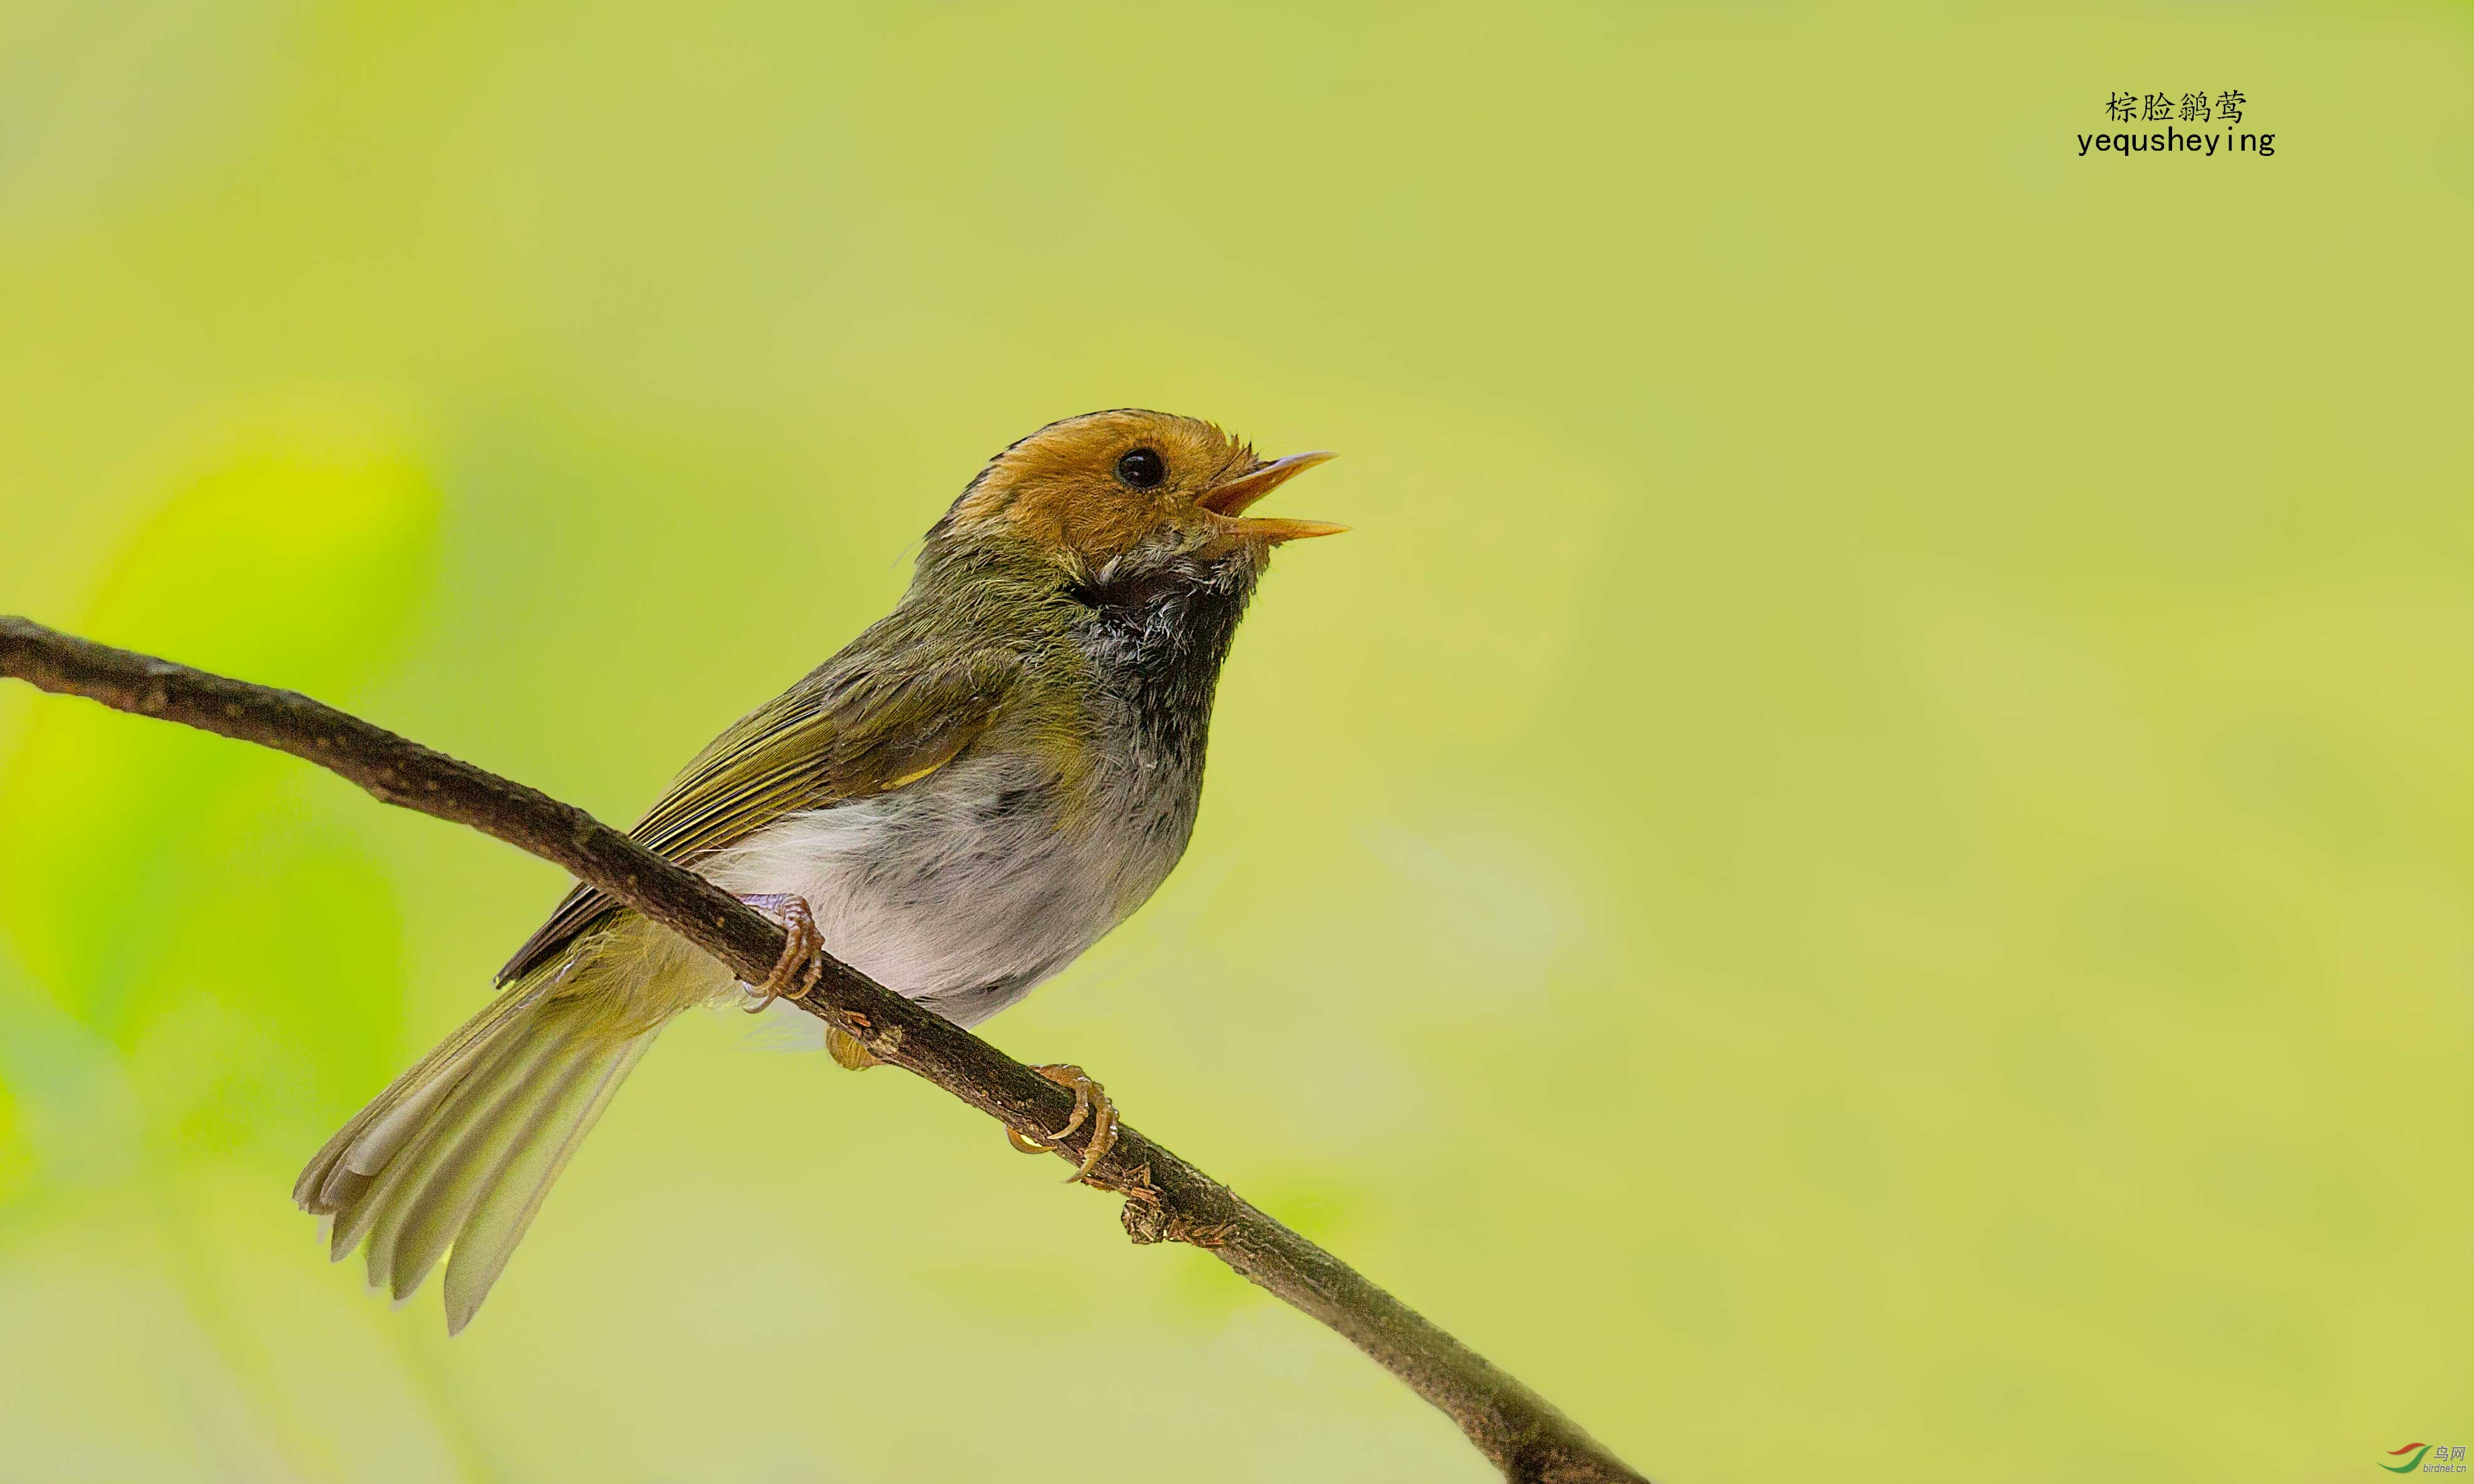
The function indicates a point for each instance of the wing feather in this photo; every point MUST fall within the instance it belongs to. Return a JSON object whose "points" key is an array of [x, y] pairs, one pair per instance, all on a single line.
{"points": [[847, 732]]}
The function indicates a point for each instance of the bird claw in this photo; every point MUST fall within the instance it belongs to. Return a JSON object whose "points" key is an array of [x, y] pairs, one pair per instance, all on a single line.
{"points": [[1091, 1104], [847, 1051], [802, 960]]}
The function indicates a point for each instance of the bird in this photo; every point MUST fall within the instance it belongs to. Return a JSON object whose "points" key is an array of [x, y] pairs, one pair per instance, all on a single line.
{"points": [[972, 791]]}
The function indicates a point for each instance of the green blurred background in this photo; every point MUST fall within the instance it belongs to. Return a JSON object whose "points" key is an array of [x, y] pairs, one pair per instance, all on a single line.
{"points": [[1859, 870]]}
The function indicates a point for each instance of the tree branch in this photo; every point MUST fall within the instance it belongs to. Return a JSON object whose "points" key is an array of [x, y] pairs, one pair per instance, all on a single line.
{"points": [[1166, 1198]]}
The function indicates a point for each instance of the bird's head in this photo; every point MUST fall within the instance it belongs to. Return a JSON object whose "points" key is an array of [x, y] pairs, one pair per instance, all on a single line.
{"points": [[1130, 501]]}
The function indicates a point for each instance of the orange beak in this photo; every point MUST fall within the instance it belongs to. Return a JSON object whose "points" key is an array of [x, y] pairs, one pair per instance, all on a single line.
{"points": [[1228, 500]]}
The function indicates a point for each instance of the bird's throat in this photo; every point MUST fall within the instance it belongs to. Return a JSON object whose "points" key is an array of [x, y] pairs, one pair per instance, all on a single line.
{"points": [[1156, 643]]}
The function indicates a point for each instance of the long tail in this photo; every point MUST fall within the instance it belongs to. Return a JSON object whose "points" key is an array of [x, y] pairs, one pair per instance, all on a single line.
{"points": [[460, 1151]]}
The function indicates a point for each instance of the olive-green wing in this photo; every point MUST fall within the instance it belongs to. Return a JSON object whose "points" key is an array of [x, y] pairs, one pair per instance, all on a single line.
{"points": [[844, 733]]}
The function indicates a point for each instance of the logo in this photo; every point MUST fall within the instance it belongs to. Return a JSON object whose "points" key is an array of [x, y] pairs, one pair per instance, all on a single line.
{"points": [[2427, 1458]]}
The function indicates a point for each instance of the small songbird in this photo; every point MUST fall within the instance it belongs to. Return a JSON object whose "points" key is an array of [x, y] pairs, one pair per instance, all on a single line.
{"points": [[958, 804]]}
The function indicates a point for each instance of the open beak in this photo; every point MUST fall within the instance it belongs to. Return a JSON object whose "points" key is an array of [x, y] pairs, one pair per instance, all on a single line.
{"points": [[1228, 500]]}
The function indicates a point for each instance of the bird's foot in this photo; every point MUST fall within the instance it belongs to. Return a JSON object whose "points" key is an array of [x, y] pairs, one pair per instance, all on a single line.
{"points": [[847, 1051], [802, 962], [1090, 1104]]}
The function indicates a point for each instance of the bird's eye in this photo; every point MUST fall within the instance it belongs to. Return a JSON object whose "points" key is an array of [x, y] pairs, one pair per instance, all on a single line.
{"points": [[1142, 468]]}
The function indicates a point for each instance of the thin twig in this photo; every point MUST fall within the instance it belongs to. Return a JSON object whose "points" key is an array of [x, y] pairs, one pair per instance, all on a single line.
{"points": [[1166, 1198]]}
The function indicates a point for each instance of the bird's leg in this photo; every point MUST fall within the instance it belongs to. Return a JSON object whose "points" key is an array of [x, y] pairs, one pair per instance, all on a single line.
{"points": [[802, 962], [805, 943], [1090, 1102]]}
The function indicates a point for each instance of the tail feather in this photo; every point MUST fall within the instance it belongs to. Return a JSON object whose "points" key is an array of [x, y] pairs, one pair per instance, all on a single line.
{"points": [[359, 1201], [500, 1220], [419, 1211], [360, 1148], [456, 1156]]}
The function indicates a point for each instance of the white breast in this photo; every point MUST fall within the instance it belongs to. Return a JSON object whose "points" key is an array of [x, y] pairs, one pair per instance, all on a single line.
{"points": [[966, 890]]}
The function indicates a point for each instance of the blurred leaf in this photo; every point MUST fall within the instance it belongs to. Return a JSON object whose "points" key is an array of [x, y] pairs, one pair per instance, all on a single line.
{"points": [[155, 870], [16, 1148], [67, 1110]]}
